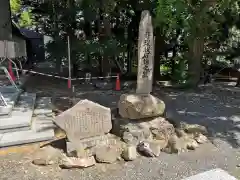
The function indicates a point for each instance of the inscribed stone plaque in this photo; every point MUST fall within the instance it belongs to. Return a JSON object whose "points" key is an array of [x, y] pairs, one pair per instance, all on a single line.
{"points": [[145, 54], [85, 119]]}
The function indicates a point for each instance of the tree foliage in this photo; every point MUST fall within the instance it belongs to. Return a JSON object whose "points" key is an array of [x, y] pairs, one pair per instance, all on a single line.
{"points": [[104, 33], [20, 14]]}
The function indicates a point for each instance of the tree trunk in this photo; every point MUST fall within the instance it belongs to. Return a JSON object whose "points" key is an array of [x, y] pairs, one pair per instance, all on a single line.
{"points": [[88, 34], [237, 66], [158, 50], [71, 33], [5, 20], [107, 35], [173, 60], [195, 57], [238, 80], [132, 36], [58, 65]]}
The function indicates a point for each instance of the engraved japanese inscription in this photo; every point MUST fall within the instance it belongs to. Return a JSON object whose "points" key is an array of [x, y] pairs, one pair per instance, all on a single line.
{"points": [[145, 54]]}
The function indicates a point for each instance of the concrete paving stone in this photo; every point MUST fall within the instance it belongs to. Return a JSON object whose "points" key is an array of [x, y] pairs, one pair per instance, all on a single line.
{"points": [[24, 137], [21, 115], [214, 174]]}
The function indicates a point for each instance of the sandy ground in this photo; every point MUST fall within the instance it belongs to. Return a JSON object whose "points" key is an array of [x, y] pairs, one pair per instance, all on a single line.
{"points": [[217, 107]]}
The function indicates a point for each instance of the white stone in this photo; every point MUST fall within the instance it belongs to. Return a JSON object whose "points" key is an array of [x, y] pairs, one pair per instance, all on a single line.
{"points": [[215, 174], [129, 153], [145, 54], [71, 162]]}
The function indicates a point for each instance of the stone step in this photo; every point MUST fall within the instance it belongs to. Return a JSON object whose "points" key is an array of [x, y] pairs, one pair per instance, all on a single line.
{"points": [[8, 89], [42, 126], [42, 115], [24, 137], [21, 115], [11, 99], [215, 174], [43, 106]]}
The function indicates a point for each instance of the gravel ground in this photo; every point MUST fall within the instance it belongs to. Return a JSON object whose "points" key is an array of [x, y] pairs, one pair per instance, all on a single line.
{"points": [[216, 106]]}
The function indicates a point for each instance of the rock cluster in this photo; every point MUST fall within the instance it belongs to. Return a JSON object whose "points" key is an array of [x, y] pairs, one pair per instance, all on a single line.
{"points": [[142, 124], [138, 128]]}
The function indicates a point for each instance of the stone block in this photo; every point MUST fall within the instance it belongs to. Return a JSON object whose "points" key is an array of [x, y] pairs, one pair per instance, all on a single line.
{"points": [[85, 119]]}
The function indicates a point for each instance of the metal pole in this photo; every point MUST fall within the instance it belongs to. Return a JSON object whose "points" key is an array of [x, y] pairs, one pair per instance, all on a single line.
{"points": [[69, 63]]}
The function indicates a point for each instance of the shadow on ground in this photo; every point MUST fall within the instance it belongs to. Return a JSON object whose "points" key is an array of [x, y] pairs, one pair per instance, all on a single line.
{"points": [[217, 107]]}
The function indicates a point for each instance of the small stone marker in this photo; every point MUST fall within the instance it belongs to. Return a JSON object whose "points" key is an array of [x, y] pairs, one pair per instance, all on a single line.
{"points": [[215, 174], [145, 54], [85, 119]]}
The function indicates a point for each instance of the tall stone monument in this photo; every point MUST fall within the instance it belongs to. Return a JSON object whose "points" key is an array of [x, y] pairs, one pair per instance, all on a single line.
{"points": [[5, 20], [145, 54]]}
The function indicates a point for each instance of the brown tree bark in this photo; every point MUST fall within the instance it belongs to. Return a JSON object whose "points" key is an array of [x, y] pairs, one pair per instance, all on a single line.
{"points": [[5, 20], [196, 49], [107, 35], [71, 33], [158, 51]]}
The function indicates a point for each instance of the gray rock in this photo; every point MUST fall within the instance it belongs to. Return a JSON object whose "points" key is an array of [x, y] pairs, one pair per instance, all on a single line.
{"points": [[174, 145], [71, 162], [162, 143], [131, 132], [200, 138], [192, 144], [180, 132], [193, 128], [47, 156], [128, 138], [42, 162], [145, 149], [87, 147], [161, 129], [107, 154], [155, 147]]}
